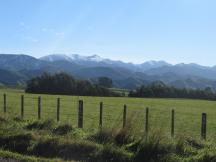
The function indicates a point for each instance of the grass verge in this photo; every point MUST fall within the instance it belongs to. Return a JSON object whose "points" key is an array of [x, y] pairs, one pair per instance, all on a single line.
{"points": [[45, 140]]}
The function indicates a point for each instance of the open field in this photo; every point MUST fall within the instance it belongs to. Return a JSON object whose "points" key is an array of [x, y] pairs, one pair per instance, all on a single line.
{"points": [[187, 112], [51, 141], [46, 140]]}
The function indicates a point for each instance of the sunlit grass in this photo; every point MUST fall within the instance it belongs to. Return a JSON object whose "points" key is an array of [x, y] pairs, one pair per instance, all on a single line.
{"points": [[188, 112]]}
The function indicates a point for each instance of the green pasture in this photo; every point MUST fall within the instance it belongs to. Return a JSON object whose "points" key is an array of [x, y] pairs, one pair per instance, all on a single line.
{"points": [[187, 112]]}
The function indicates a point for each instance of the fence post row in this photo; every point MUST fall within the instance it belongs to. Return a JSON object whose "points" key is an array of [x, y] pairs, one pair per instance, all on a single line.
{"points": [[101, 115], [39, 107], [80, 114], [172, 123], [58, 109], [203, 126], [22, 106], [124, 115], [5, 103], [147, 121]]}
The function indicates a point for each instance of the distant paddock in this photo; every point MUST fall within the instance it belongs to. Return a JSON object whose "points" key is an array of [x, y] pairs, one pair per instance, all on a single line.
{"points": [[187, 112]]}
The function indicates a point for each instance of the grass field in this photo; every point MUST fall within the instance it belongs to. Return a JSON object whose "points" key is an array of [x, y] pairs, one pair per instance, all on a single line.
{"points": [[187, 112], [29, 139], [50, 141]]}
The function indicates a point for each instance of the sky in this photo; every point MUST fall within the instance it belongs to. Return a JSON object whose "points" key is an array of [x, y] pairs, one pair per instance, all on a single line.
{"points": [[129, 30]]}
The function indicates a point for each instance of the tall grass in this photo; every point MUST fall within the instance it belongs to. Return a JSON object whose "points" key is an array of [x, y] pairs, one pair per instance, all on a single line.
{"points": [[51, 140]]}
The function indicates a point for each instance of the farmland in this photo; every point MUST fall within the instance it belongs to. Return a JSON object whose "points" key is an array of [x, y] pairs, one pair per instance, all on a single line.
{"points": [[187, 112], [30, 139]]}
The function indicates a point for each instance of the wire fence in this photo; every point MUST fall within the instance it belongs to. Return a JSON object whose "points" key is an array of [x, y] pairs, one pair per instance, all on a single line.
{"points": [[92, 115]]}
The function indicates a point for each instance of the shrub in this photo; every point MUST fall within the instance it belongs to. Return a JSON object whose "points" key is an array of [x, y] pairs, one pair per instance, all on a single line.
{"points": [[79, 150], [133, 147], [18, 119], [123, 136], [53, 147], [151, 149], [119, 137], [46, 147], [62, 129], [187, 146], [103, 136], [18, 143], [206, 156], [47, 124], [110, 153], [3, 119], [126, 135], [194, 143]]}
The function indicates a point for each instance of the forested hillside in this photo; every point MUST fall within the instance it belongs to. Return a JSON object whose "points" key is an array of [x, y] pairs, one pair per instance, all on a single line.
{"points": [[17, 69]]}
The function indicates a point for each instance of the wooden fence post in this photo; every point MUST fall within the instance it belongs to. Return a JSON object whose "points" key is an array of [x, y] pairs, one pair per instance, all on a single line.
{"points": [[39, 107], [203, 126], [5, 108], [80, 114], [172, 123], [124, 115], [22, 106], [101, 115], [147, 121], [58, 109]]}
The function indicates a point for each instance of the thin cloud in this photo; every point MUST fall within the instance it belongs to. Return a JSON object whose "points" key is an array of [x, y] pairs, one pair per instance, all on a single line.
{"points": [[21, 23], [59, 33], [24, 25], [31, 39], [47, 30]]}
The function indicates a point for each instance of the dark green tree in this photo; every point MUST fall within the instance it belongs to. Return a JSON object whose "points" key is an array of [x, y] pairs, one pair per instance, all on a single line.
{"points": [[160, 90], [105, 82], [62, 83]]}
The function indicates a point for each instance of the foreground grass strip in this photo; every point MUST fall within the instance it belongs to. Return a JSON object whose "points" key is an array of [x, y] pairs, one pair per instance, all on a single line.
{"points": [[47, 140], [20, 157]]}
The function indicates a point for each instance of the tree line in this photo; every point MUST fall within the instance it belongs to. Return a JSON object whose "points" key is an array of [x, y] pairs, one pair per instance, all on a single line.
{"points": [[62, 83], [160, 90]]}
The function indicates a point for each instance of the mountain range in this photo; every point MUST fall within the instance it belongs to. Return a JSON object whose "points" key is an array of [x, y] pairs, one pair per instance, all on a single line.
{"points": [[18, 68]]}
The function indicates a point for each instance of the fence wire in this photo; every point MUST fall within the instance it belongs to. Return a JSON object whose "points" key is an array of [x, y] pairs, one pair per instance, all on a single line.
{"points": [[187, 121]]}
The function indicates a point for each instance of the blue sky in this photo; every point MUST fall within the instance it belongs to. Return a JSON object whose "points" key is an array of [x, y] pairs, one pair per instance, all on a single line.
{"points": [[130, 30]]}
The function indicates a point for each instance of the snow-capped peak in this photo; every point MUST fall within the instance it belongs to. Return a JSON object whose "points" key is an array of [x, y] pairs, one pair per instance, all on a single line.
{"points": [[72, 57], [55, 57], [155, 63], [77, 57], [95, 58]]}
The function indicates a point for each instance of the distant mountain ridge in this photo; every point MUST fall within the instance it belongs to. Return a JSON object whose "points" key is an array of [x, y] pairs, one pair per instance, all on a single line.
{"points": [[95, 60], [19, 62], [124, 75]]}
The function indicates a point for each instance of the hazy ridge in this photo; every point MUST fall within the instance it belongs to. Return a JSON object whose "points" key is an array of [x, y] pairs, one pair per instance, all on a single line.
{"points": [[19, 68]]}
